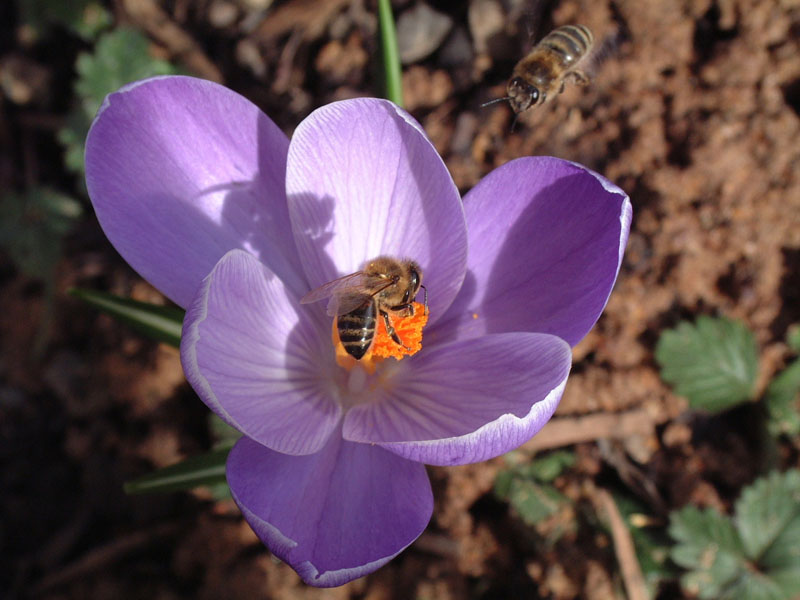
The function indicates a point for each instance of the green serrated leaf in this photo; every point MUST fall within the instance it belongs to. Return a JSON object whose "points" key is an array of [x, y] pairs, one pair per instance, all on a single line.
{"points": [[713, 363], [754, 586], [202, 470], [784, 552], [787, 579], [32, 225], [759, 559], [94, 20], [72, 136], [783, 401], [120, 57], [502, 484], [533, 501], [86, 18], [709, 547], [392, 72], [550, 466], [161, 323], [765, 509]]}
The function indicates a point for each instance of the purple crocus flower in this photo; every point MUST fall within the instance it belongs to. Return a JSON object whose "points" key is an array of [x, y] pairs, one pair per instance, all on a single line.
{"points": [[209, 201]]}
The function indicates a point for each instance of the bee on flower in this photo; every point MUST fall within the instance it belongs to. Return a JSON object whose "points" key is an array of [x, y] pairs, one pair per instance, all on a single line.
{"points": [[209, 201]]}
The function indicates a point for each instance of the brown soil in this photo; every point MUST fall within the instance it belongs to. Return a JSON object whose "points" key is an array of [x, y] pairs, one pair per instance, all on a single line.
{"points": [[695, 112]]}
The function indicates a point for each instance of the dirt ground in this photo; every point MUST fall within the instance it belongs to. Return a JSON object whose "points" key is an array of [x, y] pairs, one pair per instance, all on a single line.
{"points": [[694, 111]]}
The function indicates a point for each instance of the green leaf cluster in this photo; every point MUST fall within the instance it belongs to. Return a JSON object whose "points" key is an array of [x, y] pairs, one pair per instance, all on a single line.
{"points": [[119, 57], [783, 394], [85, 18], [753, 556], [32, 226], [713, 362], [528, 489]]}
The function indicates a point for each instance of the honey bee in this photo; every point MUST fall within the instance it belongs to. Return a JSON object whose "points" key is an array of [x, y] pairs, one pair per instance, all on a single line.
{"points": [[383, 287], [541, 75]]}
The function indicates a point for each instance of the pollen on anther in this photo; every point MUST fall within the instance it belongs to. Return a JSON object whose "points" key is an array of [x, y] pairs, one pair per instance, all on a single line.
{"points": [[408, 329]]}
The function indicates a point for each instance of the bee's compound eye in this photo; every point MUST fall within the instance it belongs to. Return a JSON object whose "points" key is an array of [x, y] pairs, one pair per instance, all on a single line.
{"points": [[414, 279], [534, 93]]}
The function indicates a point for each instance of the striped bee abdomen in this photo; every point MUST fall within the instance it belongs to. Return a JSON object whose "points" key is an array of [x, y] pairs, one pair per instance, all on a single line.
{"points": [[570, 42], [357, 328]]}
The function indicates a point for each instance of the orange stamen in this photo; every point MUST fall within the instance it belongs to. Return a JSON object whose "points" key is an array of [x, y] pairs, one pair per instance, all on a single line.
{"points": [[409, 330]]}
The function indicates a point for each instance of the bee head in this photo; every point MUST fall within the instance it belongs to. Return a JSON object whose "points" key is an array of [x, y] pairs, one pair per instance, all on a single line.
{"points": [[521, 95]]}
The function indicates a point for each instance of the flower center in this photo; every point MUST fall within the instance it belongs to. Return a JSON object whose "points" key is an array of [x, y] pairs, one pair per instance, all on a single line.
{"points": [[407, 329]]}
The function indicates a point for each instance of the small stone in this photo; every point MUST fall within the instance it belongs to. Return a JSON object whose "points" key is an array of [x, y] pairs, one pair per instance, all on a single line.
{"points": [[422, 88], [249, 55], [486, 20], [23, 80], [676, 434], [466, 128], [342, 62], [222, 14], [420, 31], [255, 5], [457, 49]]}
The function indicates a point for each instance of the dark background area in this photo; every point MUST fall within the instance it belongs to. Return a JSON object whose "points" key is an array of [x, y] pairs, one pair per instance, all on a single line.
{"points": [[694, 111]]}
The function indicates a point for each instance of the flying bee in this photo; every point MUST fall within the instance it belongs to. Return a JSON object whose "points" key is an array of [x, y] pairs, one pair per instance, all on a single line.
{"points": [[542, 74], [384, 287]]}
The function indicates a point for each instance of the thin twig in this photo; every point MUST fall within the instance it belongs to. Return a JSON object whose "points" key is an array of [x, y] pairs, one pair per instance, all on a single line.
{"points": [[156, 22], [310, 17], [623, 546], [564, 431]]}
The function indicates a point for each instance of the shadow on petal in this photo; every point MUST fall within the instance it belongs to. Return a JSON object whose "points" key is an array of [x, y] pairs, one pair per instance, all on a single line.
{"points": [[543, 258]]}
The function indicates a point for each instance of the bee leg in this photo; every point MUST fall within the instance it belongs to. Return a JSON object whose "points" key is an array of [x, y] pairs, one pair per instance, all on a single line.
{"points": [[578, 77], [391, 330], [561, 89], [406, 309]]}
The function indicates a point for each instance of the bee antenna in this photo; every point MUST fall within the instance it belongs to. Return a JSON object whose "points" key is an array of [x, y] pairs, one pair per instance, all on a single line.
{"points": [[514, 122], [495, 101]]}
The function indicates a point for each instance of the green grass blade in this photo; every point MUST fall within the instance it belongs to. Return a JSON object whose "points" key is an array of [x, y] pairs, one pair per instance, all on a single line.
{"points": [[162, 323], [392, 73], [202, 470]]}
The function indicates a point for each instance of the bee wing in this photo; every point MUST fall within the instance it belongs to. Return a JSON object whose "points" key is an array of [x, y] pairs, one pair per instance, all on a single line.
{"points": [[531, 13], [603, 50], [341, 304], [338, 287]]}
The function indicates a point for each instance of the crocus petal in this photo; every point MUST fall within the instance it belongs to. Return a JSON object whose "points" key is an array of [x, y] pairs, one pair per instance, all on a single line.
{"points": [[466, 401], [547, 238], [258, 359], [333, 516], [181, 170], [363, 180]]}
